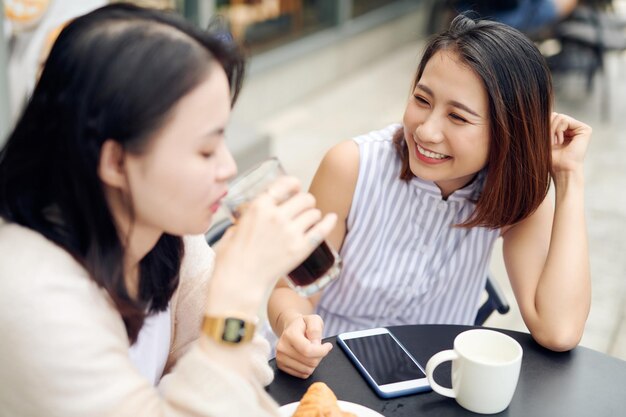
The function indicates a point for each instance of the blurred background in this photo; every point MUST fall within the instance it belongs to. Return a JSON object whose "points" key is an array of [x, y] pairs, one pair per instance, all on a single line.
{"points": [[323, 71]]}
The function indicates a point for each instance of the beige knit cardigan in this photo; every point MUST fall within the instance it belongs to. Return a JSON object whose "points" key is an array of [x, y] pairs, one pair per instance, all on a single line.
{"points": [[64, 349]]}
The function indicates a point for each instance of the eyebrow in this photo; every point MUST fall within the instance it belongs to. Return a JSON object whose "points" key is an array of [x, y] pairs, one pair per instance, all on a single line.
{"points": [[452, 102], [213, 132]]}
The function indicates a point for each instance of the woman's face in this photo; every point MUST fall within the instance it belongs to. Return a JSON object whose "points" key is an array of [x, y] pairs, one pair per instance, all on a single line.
{"points": [[446, 124], [178, 181]]}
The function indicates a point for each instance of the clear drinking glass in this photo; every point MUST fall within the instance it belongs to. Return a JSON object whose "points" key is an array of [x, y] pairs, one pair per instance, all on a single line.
{"points": [[322, 266]]}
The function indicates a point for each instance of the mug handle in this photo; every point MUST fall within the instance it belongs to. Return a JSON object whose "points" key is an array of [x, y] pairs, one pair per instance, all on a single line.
{"points": [[435, 361]]}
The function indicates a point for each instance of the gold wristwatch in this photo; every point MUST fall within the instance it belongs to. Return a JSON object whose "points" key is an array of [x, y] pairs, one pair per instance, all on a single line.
{"points": [[232, 329]]}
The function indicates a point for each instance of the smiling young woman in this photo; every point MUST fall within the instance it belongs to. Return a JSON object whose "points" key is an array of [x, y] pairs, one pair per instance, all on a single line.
{"points": [[421, 204]]}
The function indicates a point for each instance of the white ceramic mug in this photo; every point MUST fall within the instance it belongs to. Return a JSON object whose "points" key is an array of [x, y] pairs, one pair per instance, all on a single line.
{"points": [[485, 370]]}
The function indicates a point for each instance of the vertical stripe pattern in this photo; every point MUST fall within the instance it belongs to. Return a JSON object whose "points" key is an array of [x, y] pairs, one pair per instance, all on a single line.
{"points": [[404, 262]]}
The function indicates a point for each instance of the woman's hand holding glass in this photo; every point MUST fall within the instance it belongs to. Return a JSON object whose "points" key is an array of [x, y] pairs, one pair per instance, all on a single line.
{"points": [[275, 233]]}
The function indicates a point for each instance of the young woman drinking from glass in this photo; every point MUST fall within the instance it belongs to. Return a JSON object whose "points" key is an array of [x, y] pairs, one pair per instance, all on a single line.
{"points": [[117, 161]]}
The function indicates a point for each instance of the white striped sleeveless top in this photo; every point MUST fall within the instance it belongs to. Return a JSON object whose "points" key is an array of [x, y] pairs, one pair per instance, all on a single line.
{"points": [[404, 262]]}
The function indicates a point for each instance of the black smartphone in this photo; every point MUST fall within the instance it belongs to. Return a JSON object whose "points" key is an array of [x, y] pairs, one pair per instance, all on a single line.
{"points": [[384, 363]]}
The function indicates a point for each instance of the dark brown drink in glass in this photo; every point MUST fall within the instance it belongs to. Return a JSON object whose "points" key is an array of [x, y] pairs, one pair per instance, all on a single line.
{"points": [[322, 266], [313, 267]]}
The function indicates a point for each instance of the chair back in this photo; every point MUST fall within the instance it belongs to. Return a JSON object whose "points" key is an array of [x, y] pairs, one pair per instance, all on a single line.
{"points": [[496, 301], [216, 231]]}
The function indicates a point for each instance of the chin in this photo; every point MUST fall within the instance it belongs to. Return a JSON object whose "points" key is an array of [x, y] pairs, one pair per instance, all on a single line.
{"points": [[420, 172], [198, 228]]}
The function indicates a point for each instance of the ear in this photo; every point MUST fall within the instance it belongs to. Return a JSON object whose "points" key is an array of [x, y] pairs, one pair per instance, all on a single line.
{"points": [[111, 164]]}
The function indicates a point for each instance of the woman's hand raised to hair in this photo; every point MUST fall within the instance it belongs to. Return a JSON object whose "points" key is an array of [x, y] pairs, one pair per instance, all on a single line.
{"points": [[569, 138], [277, 231]]}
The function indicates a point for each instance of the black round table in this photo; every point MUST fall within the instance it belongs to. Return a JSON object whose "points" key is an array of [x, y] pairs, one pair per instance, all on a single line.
{"points": [[581, 382]]}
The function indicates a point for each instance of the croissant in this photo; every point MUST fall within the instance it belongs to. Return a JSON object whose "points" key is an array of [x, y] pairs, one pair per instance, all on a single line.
{"points": [[319, 401]]}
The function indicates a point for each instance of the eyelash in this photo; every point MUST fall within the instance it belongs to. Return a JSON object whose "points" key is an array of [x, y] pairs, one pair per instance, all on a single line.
{"points": [[206, 155], [421, 100], [455, 116]]}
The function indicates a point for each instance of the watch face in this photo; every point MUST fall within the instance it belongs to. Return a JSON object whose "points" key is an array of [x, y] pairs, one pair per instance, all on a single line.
{"points": [[233, 330]]}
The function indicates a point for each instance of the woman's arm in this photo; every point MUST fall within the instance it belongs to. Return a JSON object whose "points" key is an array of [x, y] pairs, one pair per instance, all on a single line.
{"points": [[68, 350], [67, 353], [269, 239], [546, 255], [299, 349]]}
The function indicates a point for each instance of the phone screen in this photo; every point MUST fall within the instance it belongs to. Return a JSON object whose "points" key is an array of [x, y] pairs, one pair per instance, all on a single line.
{"points": [[384, 359]]}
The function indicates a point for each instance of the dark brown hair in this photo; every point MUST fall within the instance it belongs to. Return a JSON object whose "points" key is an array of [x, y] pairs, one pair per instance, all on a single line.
{"points": [[115, 73], [519, 89]]}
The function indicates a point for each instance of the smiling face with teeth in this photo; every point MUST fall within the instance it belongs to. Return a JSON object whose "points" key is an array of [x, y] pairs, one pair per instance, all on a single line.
{"points": [[446, 123]]}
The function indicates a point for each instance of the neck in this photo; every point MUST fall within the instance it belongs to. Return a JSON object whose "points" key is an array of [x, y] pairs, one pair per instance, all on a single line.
{"points": [[137, 244], [449, 187], [137, 238]]}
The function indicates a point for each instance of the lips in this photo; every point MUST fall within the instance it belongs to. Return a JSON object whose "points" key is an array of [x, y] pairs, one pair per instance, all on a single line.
{"points": [[429, 157], [430, 154], [216, 205]]}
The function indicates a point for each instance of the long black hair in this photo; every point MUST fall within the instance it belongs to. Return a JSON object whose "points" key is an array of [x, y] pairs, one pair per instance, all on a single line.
{"points": [[115, 73]]}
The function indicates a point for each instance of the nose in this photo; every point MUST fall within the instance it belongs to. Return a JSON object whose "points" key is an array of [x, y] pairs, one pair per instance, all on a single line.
{"points": [[430, 130], [227, 167]]}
